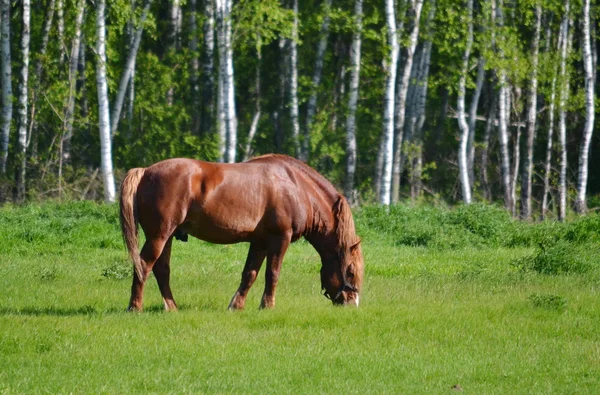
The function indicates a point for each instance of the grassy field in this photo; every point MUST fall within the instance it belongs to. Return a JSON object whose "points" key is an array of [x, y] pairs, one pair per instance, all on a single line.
{"points": [[463, 298]]}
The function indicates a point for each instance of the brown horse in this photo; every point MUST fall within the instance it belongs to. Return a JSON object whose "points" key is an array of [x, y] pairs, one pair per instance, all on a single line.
{"points": [[269, 201]]}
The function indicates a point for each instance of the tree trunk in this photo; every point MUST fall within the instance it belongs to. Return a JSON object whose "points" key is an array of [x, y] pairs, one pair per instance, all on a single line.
{"points": [[208, 82], [194, 68], [489, 125], [531, 120], [401, 109], [463, 167], [473, 118], [257, 111], [311, 107], [231, 116], [293, 100], [7, 99], [351, 154], [515, 165], [418, 113], [551, 111], [22, 102], [388, 113], [103, 113], [73, 65], [48, 18], [60, 26], [562, 115], [503, 116], [580, 201], [173, 38], [127, 73]]}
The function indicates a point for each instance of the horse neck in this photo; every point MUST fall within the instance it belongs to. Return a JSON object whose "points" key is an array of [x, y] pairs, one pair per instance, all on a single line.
{"points": [[321, 234]]}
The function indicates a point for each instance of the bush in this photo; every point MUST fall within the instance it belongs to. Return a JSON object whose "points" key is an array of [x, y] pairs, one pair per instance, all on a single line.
{"points": [[561, 258]]}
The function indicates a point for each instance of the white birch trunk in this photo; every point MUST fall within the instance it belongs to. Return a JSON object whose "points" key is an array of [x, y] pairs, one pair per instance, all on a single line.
{"points": [[293, 100], [127, 74], [172, 38], [73, 64], [194, 67], [231, 118], [351, 154], [580, 200], [489, 125], [401, 108], [208, 84], [60, 27], [48, 18], [23, 100], [388, 112], [256, 117], [463, 167], [418, 113], [473, 117], [562, 116], [103, 112], [551, 111], [7, 96], [221, 123], [503, 115], [311, 107], [531, 120]]}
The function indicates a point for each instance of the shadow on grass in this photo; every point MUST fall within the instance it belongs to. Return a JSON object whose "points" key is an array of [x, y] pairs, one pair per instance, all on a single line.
{"points": [[75, 311]]}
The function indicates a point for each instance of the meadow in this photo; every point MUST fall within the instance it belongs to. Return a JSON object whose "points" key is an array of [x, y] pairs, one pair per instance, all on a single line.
{"points": [[462, 299]]}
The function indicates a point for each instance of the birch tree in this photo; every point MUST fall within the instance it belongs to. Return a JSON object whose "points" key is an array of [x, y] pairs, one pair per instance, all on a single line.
{"points": [[128, 70], [293, 99], [311, 107], [226, 79], [562, 115], [416, 6], [460, 107], [551, 111], [103, 112], [351, 149], [194, 67], [503, 113], [5, 66], [531, 118], [38, 72], [208, 83], [65, 143], [23, 101], [580, 201], [388, 112]]}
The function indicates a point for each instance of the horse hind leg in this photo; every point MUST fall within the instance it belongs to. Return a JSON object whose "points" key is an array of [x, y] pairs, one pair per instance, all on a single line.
{"points": [[151, 252], [256, 256], [162, 272]]}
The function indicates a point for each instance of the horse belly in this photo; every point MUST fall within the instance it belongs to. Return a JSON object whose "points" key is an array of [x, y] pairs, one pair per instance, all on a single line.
{"points": [[214, 229]]}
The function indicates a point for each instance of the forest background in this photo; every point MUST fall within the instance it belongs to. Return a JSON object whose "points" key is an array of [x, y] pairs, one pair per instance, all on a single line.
{"points": [[428, 100]]}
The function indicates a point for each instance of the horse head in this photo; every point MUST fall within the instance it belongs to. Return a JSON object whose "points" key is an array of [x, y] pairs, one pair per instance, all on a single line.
{"points": [[342, 271]]}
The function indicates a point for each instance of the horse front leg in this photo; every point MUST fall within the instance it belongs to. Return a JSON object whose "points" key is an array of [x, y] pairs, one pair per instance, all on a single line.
{"points": [[256, 256], [277, 248]]}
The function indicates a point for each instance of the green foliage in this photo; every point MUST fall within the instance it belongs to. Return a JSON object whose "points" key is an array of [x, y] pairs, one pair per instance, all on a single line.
{"points": [[561, 257]]}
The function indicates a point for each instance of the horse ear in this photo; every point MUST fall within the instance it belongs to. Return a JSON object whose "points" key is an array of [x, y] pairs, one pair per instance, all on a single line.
{"points": [[355, 245]]}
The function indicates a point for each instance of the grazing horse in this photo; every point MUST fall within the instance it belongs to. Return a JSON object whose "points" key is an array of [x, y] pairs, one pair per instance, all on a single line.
{"points": [[269, 201]]}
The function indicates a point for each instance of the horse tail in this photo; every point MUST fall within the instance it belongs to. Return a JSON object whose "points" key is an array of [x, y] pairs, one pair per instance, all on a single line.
{"points": [[129, 217]]}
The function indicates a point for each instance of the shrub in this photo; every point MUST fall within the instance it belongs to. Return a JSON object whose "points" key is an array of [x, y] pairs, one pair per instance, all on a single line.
{"points": [[560, 258]]}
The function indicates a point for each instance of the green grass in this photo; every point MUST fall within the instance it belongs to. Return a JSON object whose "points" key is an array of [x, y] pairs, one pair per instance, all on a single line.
{"points": [[478, 314]]}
